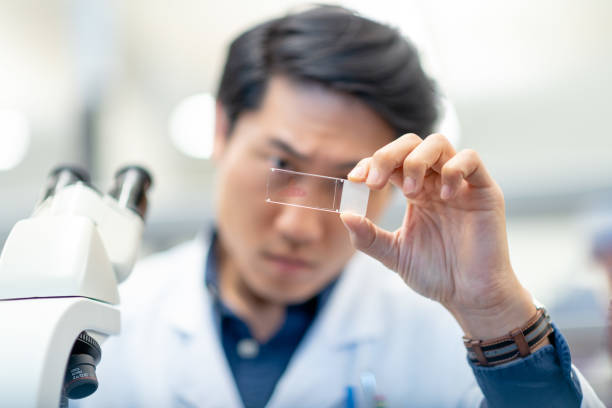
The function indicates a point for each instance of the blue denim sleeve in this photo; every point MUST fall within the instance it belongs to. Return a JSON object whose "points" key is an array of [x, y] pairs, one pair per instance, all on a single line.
{"points": [[542, 379]]}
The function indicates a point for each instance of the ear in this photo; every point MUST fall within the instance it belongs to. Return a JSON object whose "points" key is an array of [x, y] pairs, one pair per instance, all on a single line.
{"points": [[221, 131]]}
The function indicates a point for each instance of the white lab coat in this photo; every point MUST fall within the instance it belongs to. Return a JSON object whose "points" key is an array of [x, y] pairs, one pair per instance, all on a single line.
{"points": [[169, 354]]}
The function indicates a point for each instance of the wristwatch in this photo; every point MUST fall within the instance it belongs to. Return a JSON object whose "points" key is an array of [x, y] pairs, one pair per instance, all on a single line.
{"points": [[518, 343]]}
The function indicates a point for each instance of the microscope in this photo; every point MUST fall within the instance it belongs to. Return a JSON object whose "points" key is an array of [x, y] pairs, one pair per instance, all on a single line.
{"points": [[59, 276]]}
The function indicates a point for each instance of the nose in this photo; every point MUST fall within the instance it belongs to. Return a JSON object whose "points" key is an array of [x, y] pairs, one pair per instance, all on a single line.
{"points": [[300, 226]]}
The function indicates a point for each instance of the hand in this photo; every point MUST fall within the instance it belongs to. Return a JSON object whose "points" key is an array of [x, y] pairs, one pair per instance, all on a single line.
{"points": [[451, 246]]}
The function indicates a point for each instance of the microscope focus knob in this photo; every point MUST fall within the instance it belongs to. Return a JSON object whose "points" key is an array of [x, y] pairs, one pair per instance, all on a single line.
{"points": [[81, 380]]}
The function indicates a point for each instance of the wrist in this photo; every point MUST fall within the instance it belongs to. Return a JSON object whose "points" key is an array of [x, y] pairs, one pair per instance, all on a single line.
{"points": [[497, 319]]}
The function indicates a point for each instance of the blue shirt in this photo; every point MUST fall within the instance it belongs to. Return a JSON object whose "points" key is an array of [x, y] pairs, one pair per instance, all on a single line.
{"points": [[542, 379], [257, 367]]}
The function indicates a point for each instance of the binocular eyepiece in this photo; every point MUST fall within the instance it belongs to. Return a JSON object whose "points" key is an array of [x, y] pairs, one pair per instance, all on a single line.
{"points": [[63, 176], [129, 188]]}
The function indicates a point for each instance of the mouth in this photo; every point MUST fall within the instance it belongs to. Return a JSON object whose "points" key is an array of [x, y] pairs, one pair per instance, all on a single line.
{"points": [[288, 262]]}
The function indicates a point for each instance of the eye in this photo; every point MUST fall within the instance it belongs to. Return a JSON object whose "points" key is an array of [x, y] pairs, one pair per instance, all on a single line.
{"points": [[279, 162]]}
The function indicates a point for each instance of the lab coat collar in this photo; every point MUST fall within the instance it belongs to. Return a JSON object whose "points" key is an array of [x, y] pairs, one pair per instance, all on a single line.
{"points": [[187, 304], [349, 317], [188, 311]]}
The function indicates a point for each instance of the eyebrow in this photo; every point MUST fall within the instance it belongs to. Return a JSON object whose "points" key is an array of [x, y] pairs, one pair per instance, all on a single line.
{"points": [[288, 149]]}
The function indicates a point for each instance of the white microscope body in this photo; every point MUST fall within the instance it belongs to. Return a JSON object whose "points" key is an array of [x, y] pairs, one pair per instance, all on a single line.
{"points": [[59, 272]]}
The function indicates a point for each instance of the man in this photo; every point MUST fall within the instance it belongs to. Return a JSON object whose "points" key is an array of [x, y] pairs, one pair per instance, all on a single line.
{"points": [[271, 308]]}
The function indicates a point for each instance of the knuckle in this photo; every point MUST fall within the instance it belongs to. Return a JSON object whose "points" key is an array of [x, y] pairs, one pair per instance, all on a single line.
{"points": [[413, 166], [362, 162], [437, 137], [439, 141], [470, 154], [411, 137], [450, 169], [382, 156], [452, 174]]}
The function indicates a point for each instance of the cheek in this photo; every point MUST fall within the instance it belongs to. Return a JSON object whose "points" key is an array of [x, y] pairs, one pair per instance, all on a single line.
{"points": [[241, 194], [337, 242], [245, 188]]}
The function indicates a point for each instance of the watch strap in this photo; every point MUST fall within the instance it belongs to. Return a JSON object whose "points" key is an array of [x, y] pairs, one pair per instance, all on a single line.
{"points": [[517, 344]]}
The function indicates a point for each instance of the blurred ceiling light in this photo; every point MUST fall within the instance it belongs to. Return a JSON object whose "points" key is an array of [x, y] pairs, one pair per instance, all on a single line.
{"points": [[14, 138], [192, 125]]}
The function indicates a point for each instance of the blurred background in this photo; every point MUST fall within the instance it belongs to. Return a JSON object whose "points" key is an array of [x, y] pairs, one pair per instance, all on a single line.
{"points": [[104, 83]]}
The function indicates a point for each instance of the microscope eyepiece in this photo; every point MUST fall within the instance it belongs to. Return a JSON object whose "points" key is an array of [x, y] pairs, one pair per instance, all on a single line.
{"points": [[130, 189], [61, 177], [81, 380]]}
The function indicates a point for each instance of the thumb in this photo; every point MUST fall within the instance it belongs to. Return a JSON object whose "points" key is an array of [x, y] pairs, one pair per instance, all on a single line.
{"points": [[371, 239]]}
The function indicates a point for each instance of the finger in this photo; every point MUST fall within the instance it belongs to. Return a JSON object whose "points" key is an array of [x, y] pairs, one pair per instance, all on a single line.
{"points": [[433, 153], [388, 158], [371, 239], [360, 171], [465, 165], [397, 178]]}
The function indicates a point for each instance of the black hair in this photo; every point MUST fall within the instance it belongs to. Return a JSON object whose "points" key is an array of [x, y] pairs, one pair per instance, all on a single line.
{"points": [[336, 48]]}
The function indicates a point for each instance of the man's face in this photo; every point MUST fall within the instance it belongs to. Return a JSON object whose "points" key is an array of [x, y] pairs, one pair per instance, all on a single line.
{"points": [[280, 253]]}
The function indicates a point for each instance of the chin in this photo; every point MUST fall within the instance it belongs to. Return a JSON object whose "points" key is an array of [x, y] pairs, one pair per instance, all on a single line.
{"points": [[297, 299], [284, 295]]}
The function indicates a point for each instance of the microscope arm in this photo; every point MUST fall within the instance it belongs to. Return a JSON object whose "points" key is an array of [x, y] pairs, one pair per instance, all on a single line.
{"points": [[34, 356]]}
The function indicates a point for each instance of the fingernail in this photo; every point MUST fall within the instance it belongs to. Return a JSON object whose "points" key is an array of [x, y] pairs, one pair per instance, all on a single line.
{"points": [[373, 177], [409, 185], [357, 173], [445, 192]]}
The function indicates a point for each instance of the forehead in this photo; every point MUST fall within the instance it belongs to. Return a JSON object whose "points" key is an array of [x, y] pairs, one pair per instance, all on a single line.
{"points": [[320, 123]]}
